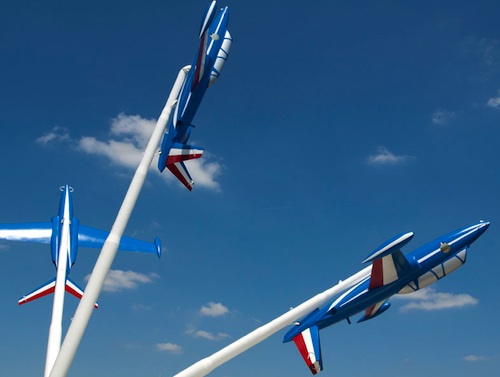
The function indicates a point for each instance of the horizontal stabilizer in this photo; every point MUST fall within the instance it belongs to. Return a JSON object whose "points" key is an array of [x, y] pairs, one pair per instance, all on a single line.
{"points": [[181, 152], [49, 288], [41, 291], [76, 291], [309, 347]]}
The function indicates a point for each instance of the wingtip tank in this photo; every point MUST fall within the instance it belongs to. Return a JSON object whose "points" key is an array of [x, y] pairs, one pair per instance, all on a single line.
{"points": [[157, 243]]}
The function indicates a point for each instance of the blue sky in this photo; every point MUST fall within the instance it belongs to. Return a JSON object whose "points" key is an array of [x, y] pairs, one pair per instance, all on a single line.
{"points": [[334, 126]]}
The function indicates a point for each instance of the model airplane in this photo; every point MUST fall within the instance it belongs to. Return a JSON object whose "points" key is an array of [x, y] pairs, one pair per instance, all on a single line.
{"points": [[65, 235], [392, 273], [215, 42]]}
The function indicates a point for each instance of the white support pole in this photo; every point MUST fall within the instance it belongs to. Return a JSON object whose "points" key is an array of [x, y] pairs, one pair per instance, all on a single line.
{"points": [[107, 255], [55, 329], [208, 364]]}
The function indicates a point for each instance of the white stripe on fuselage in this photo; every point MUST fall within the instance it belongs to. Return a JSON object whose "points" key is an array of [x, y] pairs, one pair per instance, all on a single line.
{"points": [[347, 293], [474, 228], [216, 32]]}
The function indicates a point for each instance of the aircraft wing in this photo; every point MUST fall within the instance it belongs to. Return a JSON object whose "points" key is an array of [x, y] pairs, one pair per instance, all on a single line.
{"points": [[95, 238], [375, 310], [388, 262], [26, 232]]}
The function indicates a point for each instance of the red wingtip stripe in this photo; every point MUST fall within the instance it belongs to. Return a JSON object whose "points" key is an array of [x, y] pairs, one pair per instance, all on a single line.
{"points": [[77, 294], [24, 300]]}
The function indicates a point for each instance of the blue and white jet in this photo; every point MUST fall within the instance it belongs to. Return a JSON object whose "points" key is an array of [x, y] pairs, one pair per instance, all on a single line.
{"points": [[65, 234], [391, 273], [215, 42]]}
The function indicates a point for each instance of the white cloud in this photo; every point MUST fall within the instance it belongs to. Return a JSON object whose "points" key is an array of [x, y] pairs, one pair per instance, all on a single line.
{"points": [[428, 299], [128, 138], [206, 334], [442, 116], [385, 157], [494, 102], [141, 307], [120, 153], [118, 280], [475, 358], [58, 134], [214, 309], [487, 50], [169, 347]]}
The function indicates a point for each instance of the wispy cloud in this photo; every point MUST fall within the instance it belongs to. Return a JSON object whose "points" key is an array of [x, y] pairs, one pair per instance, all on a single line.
{"points": [[486, 49], [384, 157], [57, 134], [118, 280], [141, 307], [206, 334], [442, 116], [128, 137], [169, 347], [428, 299], [494, 102], [213, 309], [475, 358]]}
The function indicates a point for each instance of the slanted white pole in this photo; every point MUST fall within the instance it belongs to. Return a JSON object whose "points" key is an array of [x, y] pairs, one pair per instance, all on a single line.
{"points": [[208, 364], [110, 247]]}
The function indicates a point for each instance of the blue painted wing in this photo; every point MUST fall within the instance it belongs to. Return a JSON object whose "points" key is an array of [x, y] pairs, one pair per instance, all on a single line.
{"points": [[95, 238], [26, 232]]}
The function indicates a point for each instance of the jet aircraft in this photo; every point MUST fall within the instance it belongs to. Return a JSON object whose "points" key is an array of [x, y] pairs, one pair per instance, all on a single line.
{"points": [[215, 42], [58, 232], [391, 273]]}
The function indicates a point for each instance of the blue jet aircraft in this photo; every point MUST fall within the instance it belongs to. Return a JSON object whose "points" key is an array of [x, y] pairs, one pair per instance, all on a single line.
{"points": [[391, 273], [78, 235], [215, 42]]}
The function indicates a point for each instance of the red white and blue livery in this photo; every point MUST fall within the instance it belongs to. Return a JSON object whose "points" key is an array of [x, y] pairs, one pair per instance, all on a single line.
{"points": [[215, 42], [391, 273], [64, 234], [77, 236]]}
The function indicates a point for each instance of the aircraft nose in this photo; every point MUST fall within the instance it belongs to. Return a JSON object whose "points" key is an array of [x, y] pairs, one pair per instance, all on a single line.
{"points": [[483, 225]]}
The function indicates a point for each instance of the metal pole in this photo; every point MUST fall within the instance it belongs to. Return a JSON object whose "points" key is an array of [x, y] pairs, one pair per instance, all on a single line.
{"points": [[107, 255], [208, 364], [55, 329]]}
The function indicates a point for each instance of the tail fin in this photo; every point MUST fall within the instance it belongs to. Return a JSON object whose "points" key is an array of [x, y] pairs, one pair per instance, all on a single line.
{"points": [[179, 153], [49, 288], [309, 347]]}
